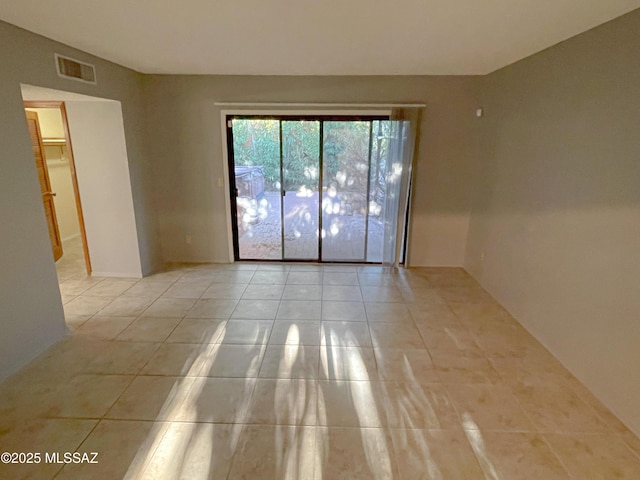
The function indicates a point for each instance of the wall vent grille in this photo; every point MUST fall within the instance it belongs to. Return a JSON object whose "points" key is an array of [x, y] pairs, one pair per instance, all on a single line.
{"points": [[75, 69]]}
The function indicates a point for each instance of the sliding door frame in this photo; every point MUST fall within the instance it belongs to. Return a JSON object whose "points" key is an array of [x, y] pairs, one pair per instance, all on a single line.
{"points": [[232, 191], [227, 116]]}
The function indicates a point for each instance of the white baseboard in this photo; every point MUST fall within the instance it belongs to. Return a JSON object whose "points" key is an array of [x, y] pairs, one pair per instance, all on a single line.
{"points": [[116, 274]]}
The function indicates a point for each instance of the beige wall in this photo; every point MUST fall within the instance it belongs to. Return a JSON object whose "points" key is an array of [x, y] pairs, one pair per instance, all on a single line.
{"points": [[31, 317], [557, 207], [100, 157], [188, 160]]}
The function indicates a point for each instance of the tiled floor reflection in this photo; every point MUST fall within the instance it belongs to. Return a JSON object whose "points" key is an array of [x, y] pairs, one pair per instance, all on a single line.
{"points": [[269, 371]]}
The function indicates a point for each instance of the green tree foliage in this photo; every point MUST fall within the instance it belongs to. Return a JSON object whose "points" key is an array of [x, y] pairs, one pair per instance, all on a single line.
{"points": [[257, 143], [300, 154], [346, 150], [346, 154]]}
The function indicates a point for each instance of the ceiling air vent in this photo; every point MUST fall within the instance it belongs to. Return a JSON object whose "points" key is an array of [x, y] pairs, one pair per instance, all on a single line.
{"points": [[75, 69]]}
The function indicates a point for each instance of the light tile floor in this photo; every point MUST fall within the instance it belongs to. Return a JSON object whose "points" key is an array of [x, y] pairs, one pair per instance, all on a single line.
{"points": [[270, 371]]}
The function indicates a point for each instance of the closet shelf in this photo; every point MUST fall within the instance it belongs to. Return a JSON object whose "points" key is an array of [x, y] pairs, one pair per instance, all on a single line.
{"points": [[54, 141]]}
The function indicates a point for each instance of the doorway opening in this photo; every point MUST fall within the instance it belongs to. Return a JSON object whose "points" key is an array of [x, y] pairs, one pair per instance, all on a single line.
{"points": [[51, 143], [92, 148], [308, 188]]}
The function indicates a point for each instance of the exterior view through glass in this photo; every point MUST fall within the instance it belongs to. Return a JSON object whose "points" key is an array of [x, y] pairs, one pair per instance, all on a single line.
{"points": [[310, 189]]}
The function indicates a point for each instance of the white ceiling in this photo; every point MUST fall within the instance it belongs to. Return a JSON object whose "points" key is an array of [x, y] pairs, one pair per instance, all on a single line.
{"points": [[312, 37]]}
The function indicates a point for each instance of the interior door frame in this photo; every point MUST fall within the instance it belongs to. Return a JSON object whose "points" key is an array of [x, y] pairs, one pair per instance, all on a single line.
{"points": [[283, 115], [48, 201], [72, 167]]}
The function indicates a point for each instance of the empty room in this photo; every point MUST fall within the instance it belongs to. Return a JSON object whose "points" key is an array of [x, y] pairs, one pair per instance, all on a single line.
{"points": [[357, 240]]}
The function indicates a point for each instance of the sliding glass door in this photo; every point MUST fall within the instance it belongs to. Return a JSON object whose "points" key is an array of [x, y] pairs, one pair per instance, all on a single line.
{"points": [[300, 188], [345, 185], [309, 188], [256, 181], [377, 190]]}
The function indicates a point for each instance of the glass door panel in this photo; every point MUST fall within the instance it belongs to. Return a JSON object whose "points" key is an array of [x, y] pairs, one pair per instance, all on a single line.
{"points": [[300, 193], [345, 183], [256, 164], [377, 189]]}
